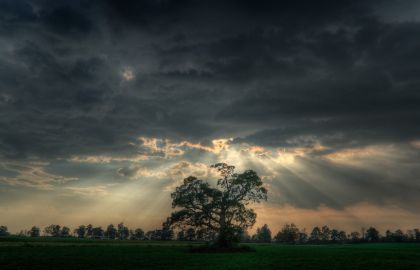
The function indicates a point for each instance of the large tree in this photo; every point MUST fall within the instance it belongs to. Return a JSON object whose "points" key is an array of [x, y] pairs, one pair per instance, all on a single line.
{"points": [[222, 209]]}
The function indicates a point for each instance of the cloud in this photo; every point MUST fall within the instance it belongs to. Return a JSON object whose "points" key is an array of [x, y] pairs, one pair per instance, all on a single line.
{"points": [[32, 175], [321, 101], [99, 190]]}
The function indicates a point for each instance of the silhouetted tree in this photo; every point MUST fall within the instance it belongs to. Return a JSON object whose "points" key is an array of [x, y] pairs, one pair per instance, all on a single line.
{"points": [[363, 233], [53, 230], [80, 231], [222, 209], [264, 234], [288, 234], [398, 236], [338, 236], [4, 231], [388, 236], [155, 235], [89, 230], [111, 232], [97, 233], [34, 232], [372, 235], [355, 236], [65, 232], [302, 237], [167, 233], [342, 236], [410, 237], [122, 232], [150, 235], [417, 235], [315, 234], [325, 233], [335, 237], [138, 234]]}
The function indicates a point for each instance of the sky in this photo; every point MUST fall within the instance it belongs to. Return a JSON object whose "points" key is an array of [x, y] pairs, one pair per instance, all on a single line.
{"points": [[106, 106]]}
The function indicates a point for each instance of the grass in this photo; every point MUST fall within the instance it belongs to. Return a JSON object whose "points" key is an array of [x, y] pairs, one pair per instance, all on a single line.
{"points": [[21, 253]]}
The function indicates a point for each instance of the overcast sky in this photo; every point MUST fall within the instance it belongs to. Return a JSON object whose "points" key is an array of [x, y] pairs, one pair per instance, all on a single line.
{"points": [[105, 106]]}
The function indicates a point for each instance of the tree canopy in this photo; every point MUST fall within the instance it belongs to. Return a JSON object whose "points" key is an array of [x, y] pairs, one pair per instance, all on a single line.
{"points": [[222, 209]]}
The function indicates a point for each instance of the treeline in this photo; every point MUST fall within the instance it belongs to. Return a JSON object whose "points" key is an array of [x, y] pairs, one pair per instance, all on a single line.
{"points": [[289, 234], [112, 232]]}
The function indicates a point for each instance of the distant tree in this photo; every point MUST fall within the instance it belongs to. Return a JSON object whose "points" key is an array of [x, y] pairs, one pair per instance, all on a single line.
{"points": [[154, 235], [325, 233], [222, 210], [89, 230], [110, 232], [123, 232], [97, 233], [398, 236], [335, 235], [80, 231], [302, 237], [34, 232], [372, 235], [65, 231], [410, 236], [363, 233], [190, 234], [355, 236], [138, 234], [288, 234], [342, 236], [53, 230], [4, 231], [167, 233], [338, 236], [150, 235], [264, 234], [388, 236], [417, 235], [315, 234]]}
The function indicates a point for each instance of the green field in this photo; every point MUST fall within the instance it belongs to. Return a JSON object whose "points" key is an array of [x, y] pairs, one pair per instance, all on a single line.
{"points": [[91, 254]]}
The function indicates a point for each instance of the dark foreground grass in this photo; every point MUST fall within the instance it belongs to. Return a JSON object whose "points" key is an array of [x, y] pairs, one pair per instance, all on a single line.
{"points": [[172, 255]]}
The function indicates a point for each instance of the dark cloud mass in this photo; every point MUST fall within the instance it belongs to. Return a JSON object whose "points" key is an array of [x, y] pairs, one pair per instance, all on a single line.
{"points": [[88, 78]]}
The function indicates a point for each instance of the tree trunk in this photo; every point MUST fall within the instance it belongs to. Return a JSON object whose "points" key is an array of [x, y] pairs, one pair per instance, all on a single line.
{"points": [[224, 238]]}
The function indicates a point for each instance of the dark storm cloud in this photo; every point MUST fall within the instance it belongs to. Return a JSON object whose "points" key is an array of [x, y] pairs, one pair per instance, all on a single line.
{"points": [[278, 61]]}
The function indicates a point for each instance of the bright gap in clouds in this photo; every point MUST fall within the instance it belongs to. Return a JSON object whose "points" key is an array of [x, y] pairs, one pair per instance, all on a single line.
{"points": [[128, 74]]}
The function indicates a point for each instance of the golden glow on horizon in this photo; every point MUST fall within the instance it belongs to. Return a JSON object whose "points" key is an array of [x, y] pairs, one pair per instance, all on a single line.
{"points": [[351, 218], [143, 198]]}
